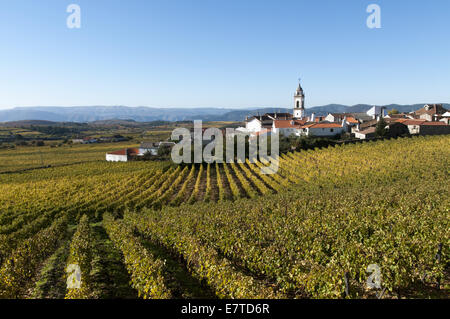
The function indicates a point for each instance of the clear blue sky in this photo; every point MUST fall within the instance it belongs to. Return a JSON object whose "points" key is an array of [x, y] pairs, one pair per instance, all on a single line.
{"points": [[223, 53]]}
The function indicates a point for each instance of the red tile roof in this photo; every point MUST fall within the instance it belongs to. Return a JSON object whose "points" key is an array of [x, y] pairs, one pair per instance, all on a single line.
{"points": [[299, 122], [119, 152], [412, 122], [125, 151], [352, 120], [434, 123], [325, 125], [285, 124], [369, 130], [133, 151], [431, 109]]}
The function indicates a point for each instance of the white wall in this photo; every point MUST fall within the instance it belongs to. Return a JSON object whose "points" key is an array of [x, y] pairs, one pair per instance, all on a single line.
{"points": [[375, 111], [414, 129], [329, 118], [116, 158], [286, 131], [360, 136], [324, 131], [152, 151], [298, 113], [253, 126]]}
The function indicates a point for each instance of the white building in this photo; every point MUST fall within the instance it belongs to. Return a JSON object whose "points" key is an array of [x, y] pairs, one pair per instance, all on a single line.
{"points": [[413, 125], [122, 155], [287, 127], [153, 148], [261, 122], [323, 129], [377, 111], [253, 125], [445, 118], [367, 133]]}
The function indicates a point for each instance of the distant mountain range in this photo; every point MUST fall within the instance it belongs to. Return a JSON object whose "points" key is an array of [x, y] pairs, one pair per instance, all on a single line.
{"points": [[83, 114]]}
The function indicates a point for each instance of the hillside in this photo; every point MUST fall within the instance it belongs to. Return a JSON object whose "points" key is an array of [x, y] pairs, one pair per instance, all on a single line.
{"points": [[155, 230], [147, 114]]}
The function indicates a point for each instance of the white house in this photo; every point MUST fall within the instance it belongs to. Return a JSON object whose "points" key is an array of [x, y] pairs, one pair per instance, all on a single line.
{"points": [[367, 133], [323, 129], [253, 125], [152, 148], [445, 118], [336, 117], [287, 127], [430, 112], [413, 126], [121, 155]]}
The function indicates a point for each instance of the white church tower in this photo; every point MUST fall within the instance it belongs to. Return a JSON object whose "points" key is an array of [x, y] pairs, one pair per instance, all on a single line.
{"points": [[299, 103]]}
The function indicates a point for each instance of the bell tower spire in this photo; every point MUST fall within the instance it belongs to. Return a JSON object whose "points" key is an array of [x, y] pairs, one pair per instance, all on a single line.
{"points": [[299, 102]]}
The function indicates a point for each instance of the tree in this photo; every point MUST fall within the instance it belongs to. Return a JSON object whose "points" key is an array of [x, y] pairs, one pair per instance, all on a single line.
{"points": [[380, 130], [393, 111], [164, 151]]}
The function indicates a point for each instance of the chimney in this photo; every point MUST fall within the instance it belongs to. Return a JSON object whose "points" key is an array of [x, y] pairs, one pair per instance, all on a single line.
{"points": [[313, 117]]}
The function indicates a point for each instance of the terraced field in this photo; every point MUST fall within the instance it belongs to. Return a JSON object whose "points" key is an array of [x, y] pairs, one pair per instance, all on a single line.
{"points": [[156, 230]]}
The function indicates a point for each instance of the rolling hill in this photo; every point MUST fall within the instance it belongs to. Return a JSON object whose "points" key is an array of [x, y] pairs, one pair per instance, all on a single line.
{"points": [[146, 114]]}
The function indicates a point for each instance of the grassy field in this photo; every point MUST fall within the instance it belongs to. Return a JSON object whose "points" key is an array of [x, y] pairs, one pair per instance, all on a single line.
{"points": [[156, 230], [25, 157]]}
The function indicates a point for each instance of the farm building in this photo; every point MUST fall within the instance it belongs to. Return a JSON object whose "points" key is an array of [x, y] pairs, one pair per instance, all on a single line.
{"points": [[323, 129], [367, 133], [122, 155]]}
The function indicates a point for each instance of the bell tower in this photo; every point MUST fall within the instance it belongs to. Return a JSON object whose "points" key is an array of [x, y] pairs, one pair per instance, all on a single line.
{"points": [[299, 102]]}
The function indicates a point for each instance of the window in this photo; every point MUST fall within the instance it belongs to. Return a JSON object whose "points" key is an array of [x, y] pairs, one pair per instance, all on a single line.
{"points": [[298, 104], [331, 130]]}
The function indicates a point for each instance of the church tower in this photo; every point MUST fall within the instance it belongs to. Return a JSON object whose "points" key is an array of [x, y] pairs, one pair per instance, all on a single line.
{"points": [[299, 103]]}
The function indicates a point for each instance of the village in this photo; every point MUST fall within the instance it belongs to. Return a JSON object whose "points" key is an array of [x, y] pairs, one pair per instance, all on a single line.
{"points": [[431, 119]]}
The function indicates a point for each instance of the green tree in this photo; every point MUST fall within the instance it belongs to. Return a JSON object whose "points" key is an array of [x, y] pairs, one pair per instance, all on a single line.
{"points": [[393, 111], [380, 130]]}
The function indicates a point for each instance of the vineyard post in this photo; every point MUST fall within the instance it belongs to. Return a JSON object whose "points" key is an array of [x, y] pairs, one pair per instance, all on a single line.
{"points": [[346, 279], [438, 259]]}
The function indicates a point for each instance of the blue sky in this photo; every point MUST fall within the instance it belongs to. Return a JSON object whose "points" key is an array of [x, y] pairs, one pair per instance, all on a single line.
{"points": [[217, 53]]}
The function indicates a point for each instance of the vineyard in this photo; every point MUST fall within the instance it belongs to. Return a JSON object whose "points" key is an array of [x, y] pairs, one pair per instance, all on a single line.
{"points": [[157, 230]]}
